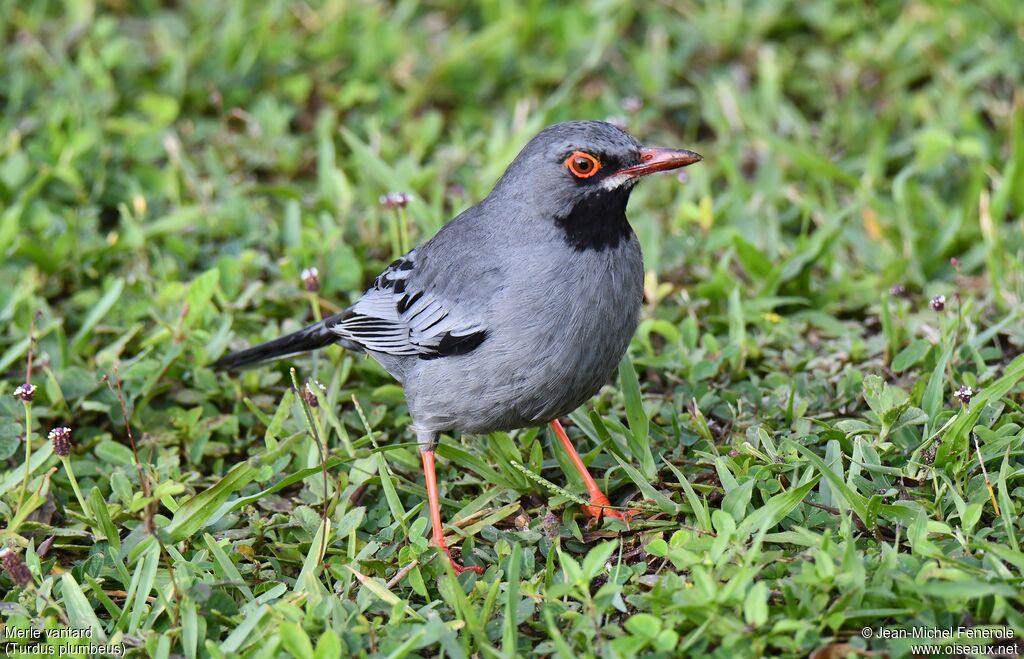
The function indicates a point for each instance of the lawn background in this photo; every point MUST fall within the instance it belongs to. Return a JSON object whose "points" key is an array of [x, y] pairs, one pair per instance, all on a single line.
{"points": [[787, 414]]}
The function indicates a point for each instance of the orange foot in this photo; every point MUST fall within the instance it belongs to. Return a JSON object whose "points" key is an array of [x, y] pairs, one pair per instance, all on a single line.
{"points": [[459, 567], [596, 512]]}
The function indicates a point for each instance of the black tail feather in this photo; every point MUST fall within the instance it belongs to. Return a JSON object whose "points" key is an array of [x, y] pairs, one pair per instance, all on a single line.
{"points": [[306, 339]]}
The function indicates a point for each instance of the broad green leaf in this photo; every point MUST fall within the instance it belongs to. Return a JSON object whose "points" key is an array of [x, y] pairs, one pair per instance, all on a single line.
{"points": [[931, 403], [80, 612], [315, 556], [856, 501], [639, 424], [755, 605], [200, 292], [776, 509], [510, 623], [227, 568], [200, 509], [15, 476], [910, 355]]}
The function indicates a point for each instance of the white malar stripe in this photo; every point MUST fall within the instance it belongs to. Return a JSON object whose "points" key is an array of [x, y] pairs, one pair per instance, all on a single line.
{"points": [[613, 182]]}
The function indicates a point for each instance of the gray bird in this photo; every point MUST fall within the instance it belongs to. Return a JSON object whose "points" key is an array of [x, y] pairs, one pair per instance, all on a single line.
{"points": [[519, 309]]}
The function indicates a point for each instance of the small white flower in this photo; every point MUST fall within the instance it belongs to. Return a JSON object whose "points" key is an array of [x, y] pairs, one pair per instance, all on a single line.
{"points": [[61, 438], [25, 392], [395, 200], [311, 279]]}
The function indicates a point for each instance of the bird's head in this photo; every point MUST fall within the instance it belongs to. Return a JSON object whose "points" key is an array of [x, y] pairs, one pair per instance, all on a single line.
{"points": [[580, 173]]}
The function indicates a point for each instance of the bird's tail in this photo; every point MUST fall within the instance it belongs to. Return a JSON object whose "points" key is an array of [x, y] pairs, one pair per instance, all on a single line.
{"points": [[306, 339]]}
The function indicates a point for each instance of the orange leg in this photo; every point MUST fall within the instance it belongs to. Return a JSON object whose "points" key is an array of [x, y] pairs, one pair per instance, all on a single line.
{"points": [[596, 495], [435, 512]]}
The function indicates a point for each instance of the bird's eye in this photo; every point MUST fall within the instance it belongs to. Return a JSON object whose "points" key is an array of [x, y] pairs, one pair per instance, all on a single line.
{"points": [[582, 164]]}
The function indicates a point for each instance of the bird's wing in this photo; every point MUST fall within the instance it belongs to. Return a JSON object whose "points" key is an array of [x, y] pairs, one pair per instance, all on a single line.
{"points": [[402, 315]]}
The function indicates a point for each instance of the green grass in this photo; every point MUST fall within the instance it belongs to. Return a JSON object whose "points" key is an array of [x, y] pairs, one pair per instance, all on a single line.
{"points": [[786, 418]]}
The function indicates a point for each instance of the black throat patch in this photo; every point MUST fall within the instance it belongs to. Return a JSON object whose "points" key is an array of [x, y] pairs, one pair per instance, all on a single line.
{"points": [[597, 222]]}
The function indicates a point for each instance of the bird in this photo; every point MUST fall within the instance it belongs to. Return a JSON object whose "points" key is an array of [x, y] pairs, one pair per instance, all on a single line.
{"points": [[518, 310]]}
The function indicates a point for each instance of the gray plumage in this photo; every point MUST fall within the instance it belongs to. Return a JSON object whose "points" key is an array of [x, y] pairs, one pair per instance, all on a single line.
{"points": [[520, 308]]}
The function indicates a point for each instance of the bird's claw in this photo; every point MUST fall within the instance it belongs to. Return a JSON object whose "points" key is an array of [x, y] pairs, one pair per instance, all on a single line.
{"points": [[459, 567], [597, 511]]}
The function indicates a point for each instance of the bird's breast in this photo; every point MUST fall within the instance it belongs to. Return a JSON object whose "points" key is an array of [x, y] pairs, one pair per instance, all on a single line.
{"points": [[600, 304], [556, 331], [573, 330]]}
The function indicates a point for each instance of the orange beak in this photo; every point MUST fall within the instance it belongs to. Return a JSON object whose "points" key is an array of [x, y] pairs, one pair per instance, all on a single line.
{"points": [[660, 160]]}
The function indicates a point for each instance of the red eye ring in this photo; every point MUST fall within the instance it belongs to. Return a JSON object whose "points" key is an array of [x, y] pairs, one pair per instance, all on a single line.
{"points": [[582, 164]]}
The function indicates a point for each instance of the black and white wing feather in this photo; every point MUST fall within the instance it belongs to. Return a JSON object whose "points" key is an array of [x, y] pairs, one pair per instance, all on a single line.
{"points": [[398, 316]]}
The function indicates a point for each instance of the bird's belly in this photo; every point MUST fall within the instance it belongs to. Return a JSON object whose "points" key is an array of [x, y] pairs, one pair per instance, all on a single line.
{"points": [[551, 353]]}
